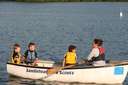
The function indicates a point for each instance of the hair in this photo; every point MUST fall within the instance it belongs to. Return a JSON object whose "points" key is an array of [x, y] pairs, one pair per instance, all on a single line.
{"points": [[31, 43], [99, 42], [16, 45], [71, 47]]}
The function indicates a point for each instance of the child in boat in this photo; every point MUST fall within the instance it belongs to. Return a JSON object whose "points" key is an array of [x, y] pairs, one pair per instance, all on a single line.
{"points": [[16, 55], [97, 55], [31, 54], [70, 57]]}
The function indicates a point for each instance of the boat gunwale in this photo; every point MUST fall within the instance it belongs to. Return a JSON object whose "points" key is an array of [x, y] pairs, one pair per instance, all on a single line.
{"points": [[86, 67]]}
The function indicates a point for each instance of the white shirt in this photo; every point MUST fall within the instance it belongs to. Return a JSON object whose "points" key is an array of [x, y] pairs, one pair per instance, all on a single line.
{"points": [[94, 53]]}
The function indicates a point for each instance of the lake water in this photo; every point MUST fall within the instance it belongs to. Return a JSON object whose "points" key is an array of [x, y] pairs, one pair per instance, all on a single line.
{"points": [[54, 26]]}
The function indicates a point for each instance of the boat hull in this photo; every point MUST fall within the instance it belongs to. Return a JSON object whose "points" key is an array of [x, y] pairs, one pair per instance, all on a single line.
{"points": [[103, 75]]}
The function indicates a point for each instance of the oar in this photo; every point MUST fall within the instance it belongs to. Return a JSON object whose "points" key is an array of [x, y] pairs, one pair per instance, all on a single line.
{"points": [[57, 69], [119, 63]]}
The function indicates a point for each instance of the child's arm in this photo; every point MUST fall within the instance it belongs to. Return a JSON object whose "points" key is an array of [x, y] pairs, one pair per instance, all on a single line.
{"points": [[94, 53], [22, 59], [64, 61], [36, 55], [12, 60], [76, 59], [25, 54]]}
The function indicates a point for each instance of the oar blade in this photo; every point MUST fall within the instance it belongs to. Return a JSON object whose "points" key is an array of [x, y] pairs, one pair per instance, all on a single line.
{"points": [[53, 70], [57, 69]]}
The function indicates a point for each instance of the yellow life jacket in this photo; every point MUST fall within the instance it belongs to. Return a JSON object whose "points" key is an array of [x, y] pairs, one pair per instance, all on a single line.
{"points": [[16, 59], [70, 58]]}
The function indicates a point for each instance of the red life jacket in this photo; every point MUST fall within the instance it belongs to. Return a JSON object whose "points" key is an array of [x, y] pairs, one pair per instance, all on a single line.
{"points": [[101, 50]]}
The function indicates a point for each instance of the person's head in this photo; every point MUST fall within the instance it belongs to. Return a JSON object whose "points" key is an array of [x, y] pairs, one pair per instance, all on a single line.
{"points": [[97, 43], [31, 46], [17, 48], [72, 48]]}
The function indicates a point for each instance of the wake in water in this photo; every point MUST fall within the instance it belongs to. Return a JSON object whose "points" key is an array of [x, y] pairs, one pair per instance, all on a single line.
{"points": [[20, 81]]}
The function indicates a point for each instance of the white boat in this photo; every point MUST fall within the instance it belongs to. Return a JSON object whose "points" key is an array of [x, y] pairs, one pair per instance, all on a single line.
{"points": [[109, 74]]}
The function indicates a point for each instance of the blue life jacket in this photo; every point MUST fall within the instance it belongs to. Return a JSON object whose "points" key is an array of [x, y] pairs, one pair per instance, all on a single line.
{"points": [[30, 56]]}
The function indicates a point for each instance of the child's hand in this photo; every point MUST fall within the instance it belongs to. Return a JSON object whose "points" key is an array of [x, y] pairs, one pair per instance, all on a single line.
{"points": [[22, 58], [36, 60]]}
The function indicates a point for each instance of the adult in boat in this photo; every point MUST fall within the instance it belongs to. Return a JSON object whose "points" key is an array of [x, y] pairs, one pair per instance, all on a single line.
{"points": [[30, 55], [97, 55], [16, 55], [70, 57]]}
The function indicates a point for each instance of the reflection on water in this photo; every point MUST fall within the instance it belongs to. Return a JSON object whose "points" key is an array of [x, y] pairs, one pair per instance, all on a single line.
{"points": [[20, 81]]}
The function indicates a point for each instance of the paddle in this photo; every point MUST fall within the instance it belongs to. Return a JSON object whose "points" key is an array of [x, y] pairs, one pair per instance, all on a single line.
{"points": [[83, 61], [114, 63], [57, 69]]}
